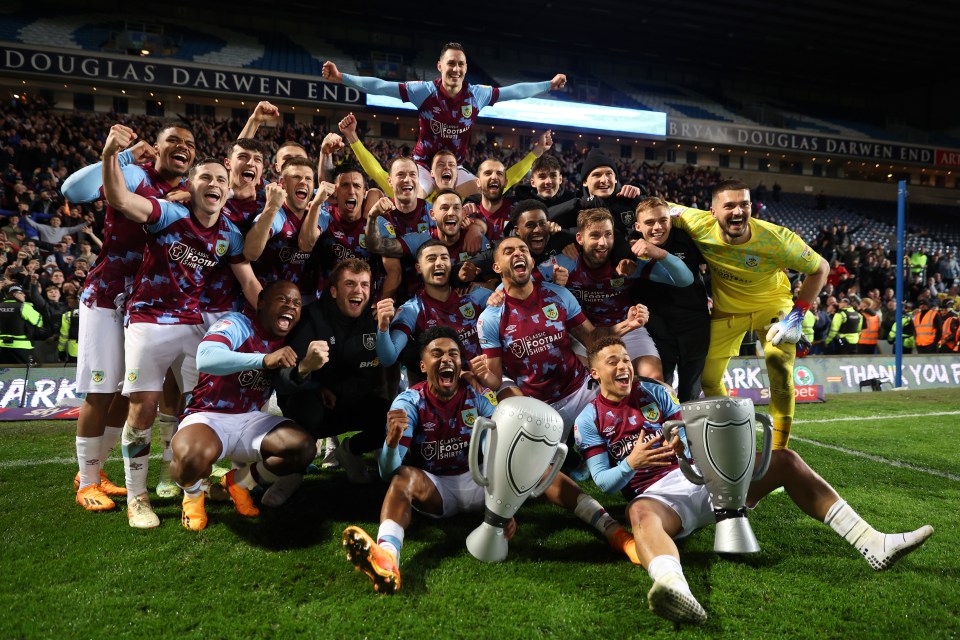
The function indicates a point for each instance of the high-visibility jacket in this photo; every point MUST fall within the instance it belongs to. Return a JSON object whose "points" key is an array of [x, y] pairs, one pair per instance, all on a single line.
{"points": [[950, 334], [845, 325], [925, 324], [869, 328], [15, 317], [909, 337], [69, 333], [806, 325]]}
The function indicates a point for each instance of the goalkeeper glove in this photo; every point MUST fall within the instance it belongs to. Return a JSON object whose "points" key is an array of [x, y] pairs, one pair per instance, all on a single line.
{"points": [[788, 328]]}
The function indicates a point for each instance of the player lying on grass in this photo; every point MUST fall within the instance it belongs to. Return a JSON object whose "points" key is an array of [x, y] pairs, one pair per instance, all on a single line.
{"points": [[620, 436], [223, 419]]}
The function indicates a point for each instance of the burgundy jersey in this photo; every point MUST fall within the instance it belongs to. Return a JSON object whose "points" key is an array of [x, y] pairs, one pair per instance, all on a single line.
{"points": [[123, 242], [445, 122], [496, 220], [241, 392], [421, 312], [282, 258], [437, 436], [416, 221], [531, 338], [178, 264], [223, 291], [613, 428]]}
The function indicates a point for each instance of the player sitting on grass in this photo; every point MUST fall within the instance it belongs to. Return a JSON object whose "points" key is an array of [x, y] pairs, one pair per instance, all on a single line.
{"points": [[435, 415], [620, 436], [223, 419]]}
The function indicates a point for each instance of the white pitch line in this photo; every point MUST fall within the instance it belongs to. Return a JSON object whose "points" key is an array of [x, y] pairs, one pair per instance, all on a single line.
{"points": [[13, 464], [880, 459], [883, 417]]}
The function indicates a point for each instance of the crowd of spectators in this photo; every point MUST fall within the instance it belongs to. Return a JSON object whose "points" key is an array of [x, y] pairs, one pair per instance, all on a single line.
{"points": [[47, 245]]}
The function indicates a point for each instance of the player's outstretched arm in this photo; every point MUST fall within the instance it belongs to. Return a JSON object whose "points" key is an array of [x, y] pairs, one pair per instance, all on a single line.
{"points": [[367, 84], [530, 89], [263, 113], [369, 162]]}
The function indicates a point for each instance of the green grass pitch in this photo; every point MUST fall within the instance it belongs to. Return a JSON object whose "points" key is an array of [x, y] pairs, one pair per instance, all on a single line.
{"points": [[66, 573]]}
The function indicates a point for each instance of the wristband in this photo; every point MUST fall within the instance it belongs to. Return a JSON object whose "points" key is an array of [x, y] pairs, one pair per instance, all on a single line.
{"points": [[801, 305]]}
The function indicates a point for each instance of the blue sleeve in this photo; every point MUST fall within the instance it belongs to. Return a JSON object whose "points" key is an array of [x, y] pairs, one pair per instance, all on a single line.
{"points": [[546, 267], [84, 184], [372, 85], [278, 219], [418, 91], [671, 270], [608, 478], [323, 221], [218, 359], [488, 328], [524, 90], [386, 228], [412, 241], [236, 240], [390, 459], [170, 212], [479, 296], [389, 346]]}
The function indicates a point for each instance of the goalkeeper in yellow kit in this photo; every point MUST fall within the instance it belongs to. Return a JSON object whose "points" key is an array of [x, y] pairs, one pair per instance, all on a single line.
{"points": [[747, 259]]}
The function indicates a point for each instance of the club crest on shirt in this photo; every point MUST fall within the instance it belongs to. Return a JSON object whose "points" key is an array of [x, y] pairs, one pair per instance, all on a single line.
{"points": [[428, 450], [222, 246], [551, 311], [466, 110], [651, 412], [423, 227], [469, 416], [616, 283], [370, 341], [363, 240], [468, 310], [628, 218], [751, 261]]}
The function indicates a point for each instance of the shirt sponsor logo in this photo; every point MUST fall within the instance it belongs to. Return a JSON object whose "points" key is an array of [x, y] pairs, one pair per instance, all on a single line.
{"points": [[532, 345], [293, 256], [190, 257], [253, 379], [446, 130]]}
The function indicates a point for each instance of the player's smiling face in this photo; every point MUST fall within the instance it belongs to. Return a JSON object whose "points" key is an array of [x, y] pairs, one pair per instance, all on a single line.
{"points": [[246, 167], [492, 180], [601, 182], [547, 183], [176, 152], [352, 293], [597, 242], [533, 230], [513, 261], [453, 68], [655, 225], [434, 266], [440, 361], [279, 310], [404, 179], [612, 368], [349, 193], [209, 188], [444, 171], [298, 183], [447, 212], [732, 211]]}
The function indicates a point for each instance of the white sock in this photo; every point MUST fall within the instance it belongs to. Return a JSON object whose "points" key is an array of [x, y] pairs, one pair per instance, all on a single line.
{"points": [[195, 490], [243, 476], [111, 436], [390, 538], [881, 550], [88, 456], [136, 457], [664, 565], [262, 475], [593, 513], [845, 521], [168, 427]]}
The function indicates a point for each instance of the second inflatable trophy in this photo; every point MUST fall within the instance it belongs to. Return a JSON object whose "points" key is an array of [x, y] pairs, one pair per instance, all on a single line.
{"points": [[523, 439], [721, 434]]}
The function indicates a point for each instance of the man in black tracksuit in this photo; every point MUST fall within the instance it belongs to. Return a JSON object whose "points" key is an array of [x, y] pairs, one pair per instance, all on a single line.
{"points": [[347, 393], [679, 318]]}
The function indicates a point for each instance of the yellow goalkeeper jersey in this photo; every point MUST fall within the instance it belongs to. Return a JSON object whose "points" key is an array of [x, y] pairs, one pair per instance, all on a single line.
{"points": [[748, 277]]}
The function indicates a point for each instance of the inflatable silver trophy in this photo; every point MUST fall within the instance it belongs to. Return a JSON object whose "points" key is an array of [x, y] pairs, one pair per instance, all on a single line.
{"points": [[523, 438], [721, 434]]}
